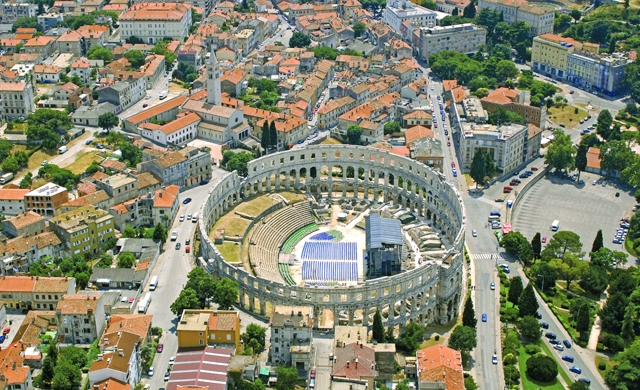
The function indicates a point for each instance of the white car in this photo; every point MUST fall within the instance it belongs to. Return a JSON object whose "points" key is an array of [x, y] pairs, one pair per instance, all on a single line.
{"points": [[172, 360], [493, 286], [150, 373], [182, 218], [474, 233]]}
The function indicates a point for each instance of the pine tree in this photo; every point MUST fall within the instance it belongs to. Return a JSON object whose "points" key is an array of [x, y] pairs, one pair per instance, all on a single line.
{"points": [[478, 168], [628, 322], [515, 290], [527, 303], [536, 245], [598, 242], [378, 328], [264, 140], [273, 134], [469, 314]]}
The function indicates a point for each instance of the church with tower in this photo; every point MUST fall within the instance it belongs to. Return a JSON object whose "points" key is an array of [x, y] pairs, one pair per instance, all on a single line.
{"points": [[219, 124]]}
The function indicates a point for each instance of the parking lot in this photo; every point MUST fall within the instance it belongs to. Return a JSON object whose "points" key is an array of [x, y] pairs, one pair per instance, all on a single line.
{"points": [[582, 209]]}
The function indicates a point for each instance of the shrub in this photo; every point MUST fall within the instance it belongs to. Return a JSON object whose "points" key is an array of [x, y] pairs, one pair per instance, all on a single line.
{"points": [[602, 366], [542, 368], [437, 337], [565, 304], [510, 359], [531, 349], [576, 110]]}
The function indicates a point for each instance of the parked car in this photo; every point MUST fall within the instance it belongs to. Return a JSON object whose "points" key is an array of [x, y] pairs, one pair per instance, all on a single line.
{"points": [[187, 249], [558, 347], [492, 286], [568, 358], [186, 201], [544, 239], [544, 325], [474, 233], [538, 316], [575, 369], [182, 218], [150, 372], [160, 348], [89, 141], [494, 359], [566, 343], [554, 341], [585, 380], [484, 317], [167, 375], [550, 335]]}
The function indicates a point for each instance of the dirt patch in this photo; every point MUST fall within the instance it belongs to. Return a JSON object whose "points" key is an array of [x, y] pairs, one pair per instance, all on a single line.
{"points": [[255, 206], [330, 141], [82, 162], [232, 224]]}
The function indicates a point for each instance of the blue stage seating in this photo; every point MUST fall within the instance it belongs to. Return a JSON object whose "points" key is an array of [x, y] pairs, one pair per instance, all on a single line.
{"points": [[336, 251], [329, 271]]}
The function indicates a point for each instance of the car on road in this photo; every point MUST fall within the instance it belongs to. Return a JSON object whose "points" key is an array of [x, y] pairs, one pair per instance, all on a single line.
{"points": [[558, 347], [516, 173], [453, 165], [494, 359], [187, 249], [585, 380], [455, 174], [567, 358], [172, 360], [484, 317], [177, 245], [167, 375], [566, 343], [182, 218], [575, 369], [554, 342], [544, 239], [313, 374], [492, 286], [45, 162], [145, 105], [550, 335], [89, 141], [474, 233], [187, 241], [188, 217], [186, 201], [448, 143], [150, 372], [100, 146], [538, 316], [544, 325], [160, 348], [499, 200]]}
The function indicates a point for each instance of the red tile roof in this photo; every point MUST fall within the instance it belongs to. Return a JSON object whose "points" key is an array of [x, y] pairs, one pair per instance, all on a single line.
{"points": [[354, 361], [440, 364]]}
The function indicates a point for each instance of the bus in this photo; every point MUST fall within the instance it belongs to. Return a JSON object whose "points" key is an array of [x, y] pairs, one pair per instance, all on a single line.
{"points": [[143, 304], [154, 283], [494, 218]]}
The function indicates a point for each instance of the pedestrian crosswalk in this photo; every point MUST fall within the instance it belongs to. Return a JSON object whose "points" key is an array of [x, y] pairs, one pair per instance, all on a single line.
{"points": [[489, 256]]}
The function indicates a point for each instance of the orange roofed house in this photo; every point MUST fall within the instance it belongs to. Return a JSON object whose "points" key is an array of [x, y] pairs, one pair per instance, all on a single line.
{"points": [[174, 18], [12, 201], [119, 360], [32, 292], [199, 328], [355, 362], [80, 317], [513, 100], [439, 365]]}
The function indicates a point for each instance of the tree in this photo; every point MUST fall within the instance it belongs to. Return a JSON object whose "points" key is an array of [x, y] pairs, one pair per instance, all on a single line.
{"points": [[26, 180], [599, 32], [106, 260], [570, 268], [625, 374], [67, 376], [613, 342], [581, 159], [631, 174], [108, 121], [378, 328], [202, 283], [126, 259], [595, 280], [254, 337], [411, 338], [48, 369], [478, 168], [73, 355], [354, 132], [454, 12], [225, 293], [273, 134], [579, 386], [299, 39], [560, 153], [10, 165], [265, 141], [515, 290], [545, 275], [530, 329], [99, 53], [500, 116], [628, 322], [527, 304], [186, 300], [469, 314], [135, 57], [536, 245], [236, 161], [391, 127], [576, 15], [26, 22], [506, 69], [603, 124], [129, 232], [632, 109], [359, 28], [615, 156], [160, 233], [562, 242], [5, 148], [469, 11], [286, 377], [542, 368], [613, 311], [580, 311], [463, 339]]}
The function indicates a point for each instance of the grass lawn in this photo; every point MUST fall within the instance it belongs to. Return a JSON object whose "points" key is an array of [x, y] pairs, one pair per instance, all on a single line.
{"points": [[292, 197], [566, 115], [565, 376], [255, 206], [576, 289], [628, 245], [37, 158], [82, 162], [230, 251], [232, 224], [470, 181], [330, 141], [609, 365], [530, 384], [431, 342]]}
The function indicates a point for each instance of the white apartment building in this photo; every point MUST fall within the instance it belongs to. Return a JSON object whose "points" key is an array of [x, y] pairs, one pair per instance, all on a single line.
{"points": [[291, 336], [177, 132], [152, 22], [463, 38], [398, 12], [16, 99], [505, 143], [80, 317], [539, 17], [13, 11]]}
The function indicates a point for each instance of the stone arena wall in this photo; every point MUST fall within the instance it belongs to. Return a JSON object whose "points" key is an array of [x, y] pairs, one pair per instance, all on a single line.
{"points": [[430, 293]]}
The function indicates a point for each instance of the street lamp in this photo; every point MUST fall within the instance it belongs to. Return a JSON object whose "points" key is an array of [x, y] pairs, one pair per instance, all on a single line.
{"points": [[541, 276]]}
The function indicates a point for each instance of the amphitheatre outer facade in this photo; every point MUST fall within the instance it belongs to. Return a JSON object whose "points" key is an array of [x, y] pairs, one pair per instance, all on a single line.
{"points": [[429, 293]]}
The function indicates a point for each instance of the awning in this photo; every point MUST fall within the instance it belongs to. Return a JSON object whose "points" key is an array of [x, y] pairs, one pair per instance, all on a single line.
{"points": [[264, 371], [103, 281]]}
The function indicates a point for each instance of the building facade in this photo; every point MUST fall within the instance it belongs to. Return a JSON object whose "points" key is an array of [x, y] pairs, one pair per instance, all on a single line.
{"points": [[549, 54], [291, 336], [152, 21], [83, 230], [464, 38], [397, 12], [593, 72], [505, 144], [513, 100], [80, 317], [46, 199], [199, 328], [539, 17], [17, 100]]}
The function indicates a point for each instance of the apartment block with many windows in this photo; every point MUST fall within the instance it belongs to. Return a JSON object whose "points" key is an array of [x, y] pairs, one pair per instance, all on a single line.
{"points": [[84, 229]]}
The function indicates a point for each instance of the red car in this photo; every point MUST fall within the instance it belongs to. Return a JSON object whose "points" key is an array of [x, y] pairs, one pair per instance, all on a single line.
{"points": [[534, 168], [145, 105], [313, 374], [544, 239], [625, 219], [187, 249], [6, 330], [453, 165], [160, 348]]}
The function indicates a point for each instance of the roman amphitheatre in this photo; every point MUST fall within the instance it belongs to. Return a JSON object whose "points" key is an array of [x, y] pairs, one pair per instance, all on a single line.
{"points": [[347, 230]]}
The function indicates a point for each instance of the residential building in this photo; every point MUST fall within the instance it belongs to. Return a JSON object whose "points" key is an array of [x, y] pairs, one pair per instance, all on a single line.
{"points": [[71, 42], [81, 67], [198, 165], [170, 167], [549, 54], [474, 111], [83, 230], [42, 45], [12, 11], [34, 292], [124, 93], [161, 206], [355, 362], [329, 112], [198, 328], [180, 131], [598, 73], [22, 251], [88, 115], [120, 187], [48, 291], [154, 69], [12, 200], [399, 12], [17, 100], [512, 100], [47, 74], [539, 17], [232, 81], [166, 111], [46, 199], [48, 20], [505, 144], [428, 151], [80, 318], [139, 324], [291, 336], [439, 367], [464, 38], [93, 35], [449, 6], [214, 359], [99, 199], [593, 161], [152, 21], [14, 372], [417, 118], [27, 224], [119, 359], [222, 125]]}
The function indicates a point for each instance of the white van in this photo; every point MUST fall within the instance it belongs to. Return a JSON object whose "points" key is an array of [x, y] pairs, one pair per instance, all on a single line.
{"points": [[555, 226], [62, 149], [163, 94], [194, 219], [154, 283]]}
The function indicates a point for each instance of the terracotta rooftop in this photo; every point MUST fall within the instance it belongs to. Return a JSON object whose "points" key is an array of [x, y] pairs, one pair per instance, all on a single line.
{"points": [[155, 11], [418, 114], [502, 96], [26, 219], [52, 284], [440, 364], [149, 113], [593, 158], [17, 283], [169, 159], [147, 179], [113, 360], [12, 86], [77, 304], [180, 123], [111, 384], [165, 197], [417, 132], [354, 361], [22, 245], [449, 84]]}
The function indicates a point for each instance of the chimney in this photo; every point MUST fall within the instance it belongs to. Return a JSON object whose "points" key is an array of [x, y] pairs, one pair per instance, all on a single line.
{"points": [[356, 362], [347, 364]]}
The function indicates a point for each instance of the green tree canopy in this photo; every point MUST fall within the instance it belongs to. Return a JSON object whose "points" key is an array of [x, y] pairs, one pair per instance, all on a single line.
{"points": [[126, 259], [560, 153], [67, 376], [391, 127], [410, 340], [478, 172], [299, 39], [26, 22], [135, 57], [108, 121], [542, 368], [569, 268], [528, 304], [354, 132], [236, 161], [378, 328], [530, 329], [225, 293], [186, 300], [515, 290], [463, 339], [501, 116], [562, 242], [615, 156], [604, 123], [359, 28], [99, 53], [286, 377], [469, 314], [254, 337]]}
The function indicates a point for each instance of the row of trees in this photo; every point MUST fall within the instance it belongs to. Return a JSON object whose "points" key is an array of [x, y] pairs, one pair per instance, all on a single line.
{"points": [[61, 369], [236, 161], [202, 287], [269, 135]]}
